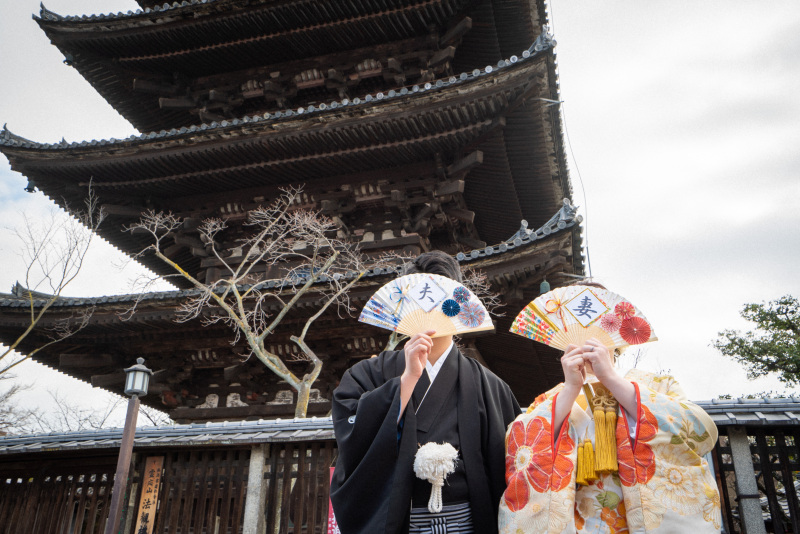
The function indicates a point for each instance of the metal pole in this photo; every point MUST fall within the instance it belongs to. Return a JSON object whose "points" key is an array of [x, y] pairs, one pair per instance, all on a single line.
{"points": [[123, 466]]}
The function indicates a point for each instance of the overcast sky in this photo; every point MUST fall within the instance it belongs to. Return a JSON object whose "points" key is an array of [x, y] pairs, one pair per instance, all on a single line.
{"points": [[684, 121]]}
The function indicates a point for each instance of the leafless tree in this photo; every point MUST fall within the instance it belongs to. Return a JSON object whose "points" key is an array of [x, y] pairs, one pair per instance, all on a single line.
{"points": [[289, 253], [66, 415], [13, 417], [153, 417], [53, 251]]}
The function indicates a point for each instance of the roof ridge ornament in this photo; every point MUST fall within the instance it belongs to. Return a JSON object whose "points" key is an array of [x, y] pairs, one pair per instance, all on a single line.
{"points": [[46, 14], [23, 292], [522, 233], [564, 218], [544, 41], [7, 137]]}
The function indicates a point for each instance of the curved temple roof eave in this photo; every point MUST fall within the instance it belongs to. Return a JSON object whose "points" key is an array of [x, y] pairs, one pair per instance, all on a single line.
{"points": [[564, 220], [166, 8], [47, 15], [9, 139]]}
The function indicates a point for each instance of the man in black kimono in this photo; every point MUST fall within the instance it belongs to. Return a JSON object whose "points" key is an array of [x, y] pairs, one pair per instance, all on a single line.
{"points": [[386, 407]]}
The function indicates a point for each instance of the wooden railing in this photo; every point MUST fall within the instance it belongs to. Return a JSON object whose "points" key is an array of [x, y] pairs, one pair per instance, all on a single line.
{"points": [[272, 487], [758, 469], [273, 476], [69, 496]]}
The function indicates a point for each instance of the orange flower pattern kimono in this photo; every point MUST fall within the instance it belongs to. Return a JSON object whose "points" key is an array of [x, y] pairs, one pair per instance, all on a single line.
{"points": [[664, 484]]}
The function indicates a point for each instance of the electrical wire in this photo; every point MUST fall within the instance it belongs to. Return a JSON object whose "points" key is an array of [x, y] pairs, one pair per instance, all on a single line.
{"points": [[583, 190], [574, 161]]}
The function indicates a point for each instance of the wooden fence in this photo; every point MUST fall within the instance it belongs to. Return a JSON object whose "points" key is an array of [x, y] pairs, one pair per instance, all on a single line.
{"points": [[759, 472], [58, 496], [273, 476], [202, 491]]}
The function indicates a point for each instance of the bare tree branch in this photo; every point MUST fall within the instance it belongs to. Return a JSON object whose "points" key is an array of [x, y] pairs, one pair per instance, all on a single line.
{"points": [[53, 251], [14, 418], [67, 416], [289, 255]]}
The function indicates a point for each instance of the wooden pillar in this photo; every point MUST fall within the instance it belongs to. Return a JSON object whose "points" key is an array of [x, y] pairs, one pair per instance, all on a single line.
{"points": [[746, 487], [254, 506], [129, 511], [123, 467]]}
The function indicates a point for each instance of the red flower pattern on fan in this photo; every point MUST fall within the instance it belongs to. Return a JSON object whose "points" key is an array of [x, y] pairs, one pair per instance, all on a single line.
{"points": [[635, 330], [610, 322], [625, 310]]}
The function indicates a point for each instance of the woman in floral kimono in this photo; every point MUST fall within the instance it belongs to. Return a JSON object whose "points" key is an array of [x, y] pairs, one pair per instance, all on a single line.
{"points": [[663, 483]]}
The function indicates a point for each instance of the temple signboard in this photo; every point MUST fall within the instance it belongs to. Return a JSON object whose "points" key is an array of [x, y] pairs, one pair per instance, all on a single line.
{"points": [[148, 501]]}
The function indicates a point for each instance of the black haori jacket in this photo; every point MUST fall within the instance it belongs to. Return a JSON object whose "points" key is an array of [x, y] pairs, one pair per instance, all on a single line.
{"points": [[372, 484]]}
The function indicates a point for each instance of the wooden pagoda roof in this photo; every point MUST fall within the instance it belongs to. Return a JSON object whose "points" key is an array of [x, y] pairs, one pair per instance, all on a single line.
{"points": [[176, 50], [192, 361], [494, 129]]}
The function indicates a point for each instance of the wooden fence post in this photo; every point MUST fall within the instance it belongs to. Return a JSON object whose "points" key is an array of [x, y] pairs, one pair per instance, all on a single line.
{"points": [[254, 518], [746, 487]]}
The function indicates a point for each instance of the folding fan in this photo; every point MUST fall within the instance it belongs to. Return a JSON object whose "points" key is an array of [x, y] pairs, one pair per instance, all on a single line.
{"points": [[573, 314], [420, 302]]}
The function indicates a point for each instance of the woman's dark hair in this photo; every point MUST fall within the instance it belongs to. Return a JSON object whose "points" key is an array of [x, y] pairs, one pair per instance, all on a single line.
{"points": [[435, 262]]}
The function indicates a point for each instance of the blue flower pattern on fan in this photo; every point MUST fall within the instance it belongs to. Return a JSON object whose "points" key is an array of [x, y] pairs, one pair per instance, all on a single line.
{"points": [[471, 314], [399, 295], [461, 294], [450, 308], [376, 311]]}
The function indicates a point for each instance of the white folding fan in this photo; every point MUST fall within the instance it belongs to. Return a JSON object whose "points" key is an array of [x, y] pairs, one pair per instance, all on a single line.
{"points": [[571, 315], [420, 302]]}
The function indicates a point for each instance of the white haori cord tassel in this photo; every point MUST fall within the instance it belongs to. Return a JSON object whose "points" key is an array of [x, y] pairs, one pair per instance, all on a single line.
{"points": [[433, 462]]}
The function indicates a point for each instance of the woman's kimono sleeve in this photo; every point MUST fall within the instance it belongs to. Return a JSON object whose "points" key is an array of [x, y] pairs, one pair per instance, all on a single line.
{"points": [[365, 410], [540, 471], [666, 482]]}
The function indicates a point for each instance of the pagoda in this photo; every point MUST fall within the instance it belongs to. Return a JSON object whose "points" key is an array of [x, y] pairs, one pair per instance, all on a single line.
{"points": [[414, 124]]}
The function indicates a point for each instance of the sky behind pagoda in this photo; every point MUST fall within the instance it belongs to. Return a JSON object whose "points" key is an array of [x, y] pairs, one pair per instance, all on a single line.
{"points": [[684, 119]]}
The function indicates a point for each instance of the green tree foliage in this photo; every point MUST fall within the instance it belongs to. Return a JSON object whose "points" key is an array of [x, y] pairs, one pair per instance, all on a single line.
{"points": [[773, 346]]}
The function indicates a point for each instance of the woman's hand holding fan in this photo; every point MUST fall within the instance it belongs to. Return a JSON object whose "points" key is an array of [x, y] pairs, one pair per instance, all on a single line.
{"points": [[573, 365]]}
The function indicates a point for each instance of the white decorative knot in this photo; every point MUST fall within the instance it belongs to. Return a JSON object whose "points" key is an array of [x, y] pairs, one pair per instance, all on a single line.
{"points": [[433, 462]]}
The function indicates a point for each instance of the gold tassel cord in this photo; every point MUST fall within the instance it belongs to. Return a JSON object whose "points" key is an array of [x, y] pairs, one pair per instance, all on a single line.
{"points": [[585, 469], [589, 473], [605, 427], [580, 477]]}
